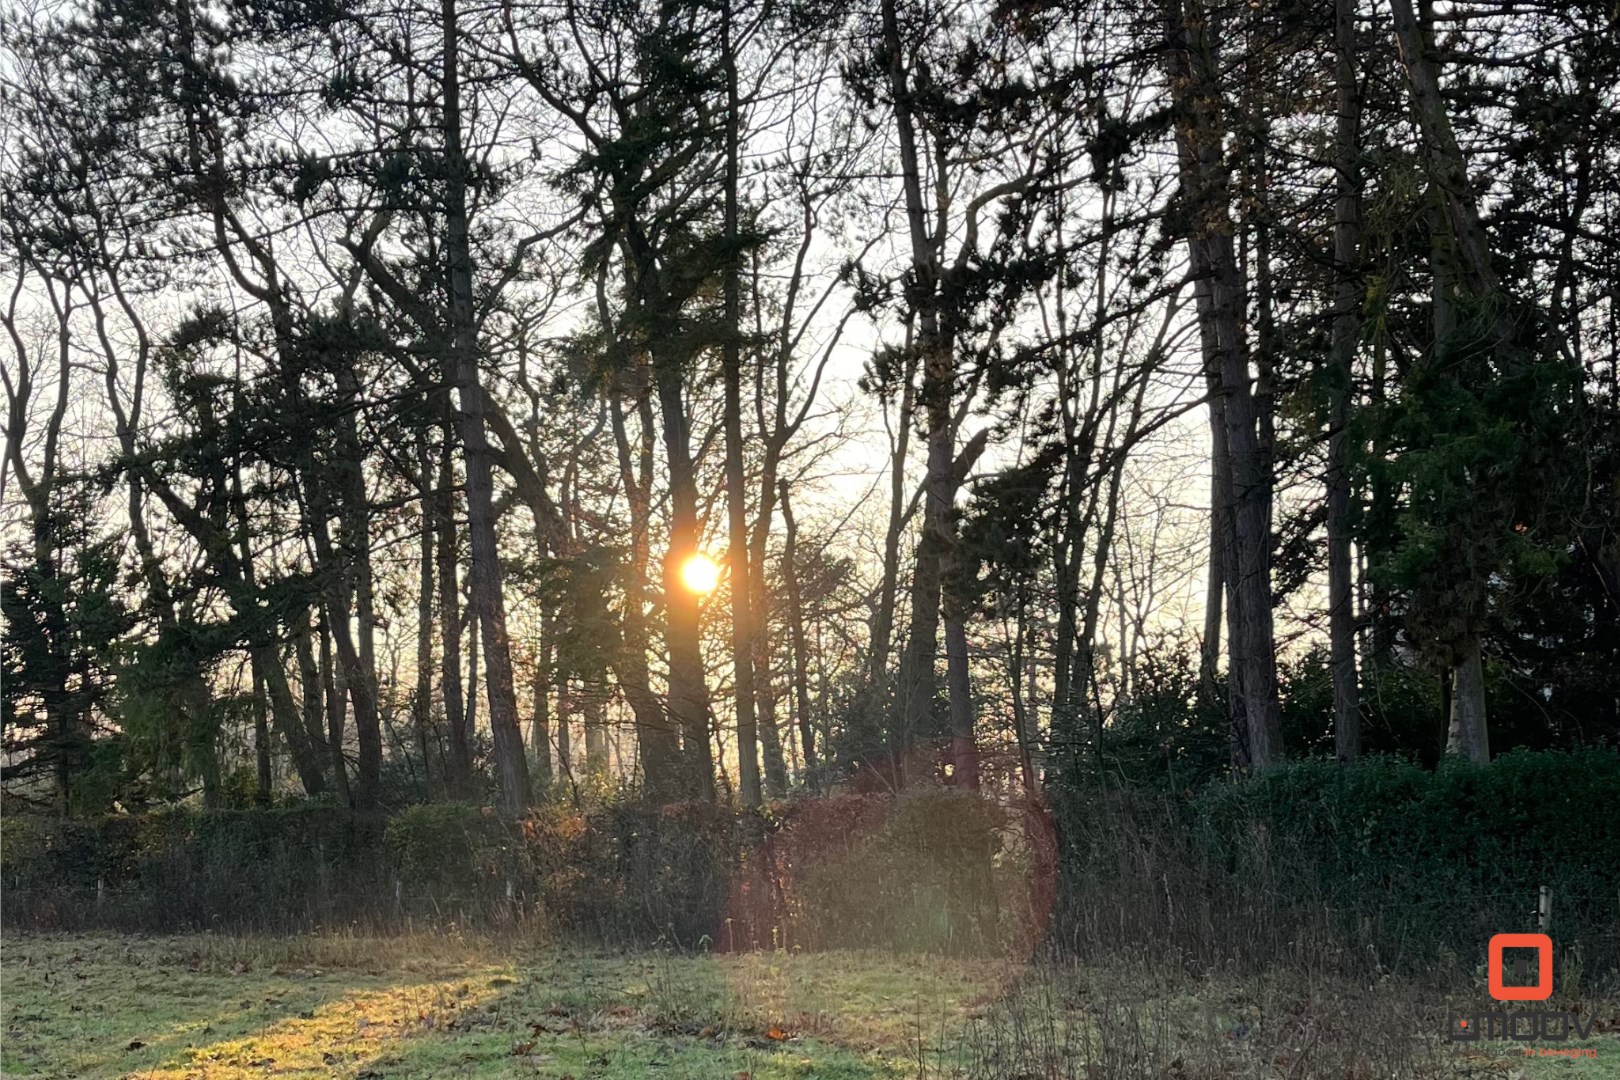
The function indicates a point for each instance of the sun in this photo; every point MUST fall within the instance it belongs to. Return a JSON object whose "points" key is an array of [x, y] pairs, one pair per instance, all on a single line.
{"points": [[700, 574]]}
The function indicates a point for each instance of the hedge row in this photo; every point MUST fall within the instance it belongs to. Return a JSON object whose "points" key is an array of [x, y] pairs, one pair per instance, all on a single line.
{"points": [[1380, 863], [1383, 858], [935, 869]]}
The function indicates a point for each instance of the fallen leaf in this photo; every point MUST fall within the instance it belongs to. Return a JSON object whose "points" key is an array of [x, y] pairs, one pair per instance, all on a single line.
{"points": [[775, 1033]]}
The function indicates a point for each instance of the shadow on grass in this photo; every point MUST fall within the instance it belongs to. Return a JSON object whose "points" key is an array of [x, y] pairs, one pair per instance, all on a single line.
{"points": [[220, 1008]]}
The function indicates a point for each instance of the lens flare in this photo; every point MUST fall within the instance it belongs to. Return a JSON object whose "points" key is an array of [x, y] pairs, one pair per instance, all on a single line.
{"points": [[700, 574]]}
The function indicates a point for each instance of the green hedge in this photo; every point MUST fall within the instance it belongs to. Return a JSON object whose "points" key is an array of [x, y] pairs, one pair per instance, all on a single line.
{"points": [[1442, 856], [1416, 865], [260, 868], [929, 870]]}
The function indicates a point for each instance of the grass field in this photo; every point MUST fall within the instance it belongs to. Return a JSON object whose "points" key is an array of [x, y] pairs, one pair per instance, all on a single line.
{"points": [[440, 1006]]}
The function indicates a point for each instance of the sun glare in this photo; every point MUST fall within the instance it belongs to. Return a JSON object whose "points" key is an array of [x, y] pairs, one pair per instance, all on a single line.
{"points": [[700, 574]]}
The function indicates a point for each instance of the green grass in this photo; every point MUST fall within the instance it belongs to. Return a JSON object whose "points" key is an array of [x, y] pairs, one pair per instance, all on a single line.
{"points": [[440, 1006], [94, 1006]]}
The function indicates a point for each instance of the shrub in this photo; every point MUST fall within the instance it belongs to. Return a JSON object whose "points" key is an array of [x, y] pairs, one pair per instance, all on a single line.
{"points": [[1383, 855], [941, 873]]}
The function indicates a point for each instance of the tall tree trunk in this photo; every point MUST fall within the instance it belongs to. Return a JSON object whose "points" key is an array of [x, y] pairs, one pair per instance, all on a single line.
{"points": [[357, 680], [261, 739], [1194, 73], [878, 675], [1462, 263], [770, 734], [1346, 334], [422, 698], [336, 695], [488, 603], [565, 729], [1446, 167], [914, 705], [312, 695], [688, 686], [1220, 501], [472, 677], [801, 648], [1377, 607], [596, 743], [1468, 735], [742, 619], [359, 652], [1021, 672], [964, 747], [458, 771], [540, 715], [657, 740]]}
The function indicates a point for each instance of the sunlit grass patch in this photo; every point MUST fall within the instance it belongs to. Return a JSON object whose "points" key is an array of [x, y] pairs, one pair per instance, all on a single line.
{"points": [[99, 1005], [212, 1007], [346, 1033], [93, 1006]]}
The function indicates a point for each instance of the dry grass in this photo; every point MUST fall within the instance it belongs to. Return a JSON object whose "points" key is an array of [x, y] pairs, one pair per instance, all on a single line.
{"points": [[450, 1005], [1135, 1018]]}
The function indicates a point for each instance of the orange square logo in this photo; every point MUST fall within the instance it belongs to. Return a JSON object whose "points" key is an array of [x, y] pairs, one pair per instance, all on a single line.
{"points": [[1542, 990]]}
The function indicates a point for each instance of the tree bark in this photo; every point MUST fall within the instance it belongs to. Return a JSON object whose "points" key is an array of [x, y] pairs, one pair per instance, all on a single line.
{"points": [[914, 704], [1346, 334], [488, 602], [261, 739], [1468, 735], [1462, 262], [688, 686], [540, 714], [458, 769], [742, 619], [1220, 500], [1194, 74], [878, 676], [801, 647], [565, 729], [422, 699], [335, 694], [312, 697], [658, 743]]}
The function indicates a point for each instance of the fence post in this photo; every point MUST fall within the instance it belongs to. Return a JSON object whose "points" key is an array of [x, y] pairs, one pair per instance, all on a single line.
{"points": [[1544, 909]]}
